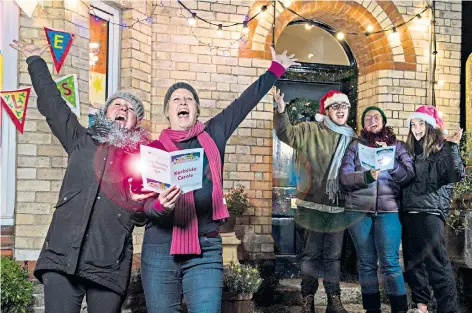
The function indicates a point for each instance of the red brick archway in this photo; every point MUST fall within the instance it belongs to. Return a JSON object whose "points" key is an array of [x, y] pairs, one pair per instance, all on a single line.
{"points": [[372, 53]]}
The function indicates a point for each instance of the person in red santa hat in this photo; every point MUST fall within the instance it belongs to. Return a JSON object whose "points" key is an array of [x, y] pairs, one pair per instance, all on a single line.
{"points": [[320, 148], [426, 204]]}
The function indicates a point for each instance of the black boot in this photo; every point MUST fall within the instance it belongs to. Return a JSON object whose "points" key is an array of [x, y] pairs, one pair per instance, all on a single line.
{"points": [[399, 304], [308, 304], [335, 305], [371, 302]]}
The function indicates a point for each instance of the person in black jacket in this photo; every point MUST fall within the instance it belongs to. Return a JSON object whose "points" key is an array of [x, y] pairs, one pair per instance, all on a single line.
{"points": [[182, 248], [88, 248], [426, 203]]}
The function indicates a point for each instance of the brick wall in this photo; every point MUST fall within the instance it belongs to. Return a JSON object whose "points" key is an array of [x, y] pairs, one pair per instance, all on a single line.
{"points": [[155, 56]]}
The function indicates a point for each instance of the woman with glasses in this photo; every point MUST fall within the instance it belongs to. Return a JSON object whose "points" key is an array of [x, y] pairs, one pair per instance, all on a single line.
{"points": [[372, 203]]}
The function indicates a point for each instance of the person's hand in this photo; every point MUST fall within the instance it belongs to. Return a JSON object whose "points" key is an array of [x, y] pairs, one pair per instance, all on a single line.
{"points": [[456, 136], [28, 49], [283, 59], [279, 99], [145, 194], [375, 174], [168, 198], [381, 143]]}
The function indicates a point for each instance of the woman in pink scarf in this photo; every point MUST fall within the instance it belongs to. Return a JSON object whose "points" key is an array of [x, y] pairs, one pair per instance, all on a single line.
{"points": [[182, 252]]}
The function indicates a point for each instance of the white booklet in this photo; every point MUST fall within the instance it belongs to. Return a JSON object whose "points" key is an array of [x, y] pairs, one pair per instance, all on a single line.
{"points": [[161, 169], [377, 158]]}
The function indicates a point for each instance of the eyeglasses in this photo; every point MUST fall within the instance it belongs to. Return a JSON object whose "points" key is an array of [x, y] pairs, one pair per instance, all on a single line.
{"points": [[373, 118], [338, 106]]}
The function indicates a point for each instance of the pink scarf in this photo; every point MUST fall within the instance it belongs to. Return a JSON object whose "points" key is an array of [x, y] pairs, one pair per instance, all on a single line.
{"points": [[185, 233]]}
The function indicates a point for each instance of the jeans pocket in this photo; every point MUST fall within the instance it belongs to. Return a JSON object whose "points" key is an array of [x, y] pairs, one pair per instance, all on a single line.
{"points": [[206, 242]]}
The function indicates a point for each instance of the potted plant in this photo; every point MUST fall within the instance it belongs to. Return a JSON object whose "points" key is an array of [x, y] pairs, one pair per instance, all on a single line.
{"points": [[17, 289], [237, 202], [239, 285]]}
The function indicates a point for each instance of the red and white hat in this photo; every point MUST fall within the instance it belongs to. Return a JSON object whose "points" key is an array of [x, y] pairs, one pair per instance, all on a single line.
{"points": [[330, 98], [429, 114]]}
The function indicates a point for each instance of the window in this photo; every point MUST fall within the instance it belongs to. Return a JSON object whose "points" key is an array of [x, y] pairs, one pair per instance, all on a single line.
{"points": [[104, 55], [9, 15], [313, 45]]}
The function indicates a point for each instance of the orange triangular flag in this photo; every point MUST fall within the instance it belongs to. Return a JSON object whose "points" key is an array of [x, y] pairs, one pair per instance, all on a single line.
{"points": [[15, 103]]}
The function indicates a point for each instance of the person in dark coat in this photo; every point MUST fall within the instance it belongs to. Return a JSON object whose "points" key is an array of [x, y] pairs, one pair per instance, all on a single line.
{"points": [[182, 248], [88, 248], [372, 206], [425, 206]]}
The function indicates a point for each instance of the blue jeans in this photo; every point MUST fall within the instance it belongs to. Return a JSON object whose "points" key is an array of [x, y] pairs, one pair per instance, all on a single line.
{"points": [[198, 277], [377, 238]]}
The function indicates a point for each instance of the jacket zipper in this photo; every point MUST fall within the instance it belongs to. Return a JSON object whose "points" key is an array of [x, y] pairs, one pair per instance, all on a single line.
{"points": [[377, 196]]}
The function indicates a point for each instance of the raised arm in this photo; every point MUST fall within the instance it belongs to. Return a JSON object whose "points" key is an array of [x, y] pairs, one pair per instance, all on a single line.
{"points": [[451, 165], [403, 170], [63, 123], [230, 118]]}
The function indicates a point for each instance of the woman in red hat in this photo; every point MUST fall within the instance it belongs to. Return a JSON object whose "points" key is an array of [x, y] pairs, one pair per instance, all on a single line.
{"points": [[426, 203]]}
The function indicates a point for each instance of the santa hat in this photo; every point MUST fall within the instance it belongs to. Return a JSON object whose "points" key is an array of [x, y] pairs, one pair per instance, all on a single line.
{"points": [[330, 98], [430, 115]]}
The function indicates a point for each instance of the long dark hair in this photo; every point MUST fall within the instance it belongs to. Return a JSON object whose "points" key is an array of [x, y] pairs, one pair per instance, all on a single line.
{"points": [[432, 142]]}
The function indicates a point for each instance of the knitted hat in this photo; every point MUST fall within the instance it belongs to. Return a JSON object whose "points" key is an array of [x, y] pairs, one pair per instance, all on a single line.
{"points": [[330, 98], [429, 114], [131, 98], [373, 107], [180, 85]]}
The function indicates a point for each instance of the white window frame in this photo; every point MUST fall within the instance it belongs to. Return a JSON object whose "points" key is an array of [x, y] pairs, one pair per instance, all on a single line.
{"points": [[9, 25], [113, 15]]}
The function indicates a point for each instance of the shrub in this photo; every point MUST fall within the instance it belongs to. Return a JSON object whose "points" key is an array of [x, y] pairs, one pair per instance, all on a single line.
{"points": [[241, 279], [16, 288]]}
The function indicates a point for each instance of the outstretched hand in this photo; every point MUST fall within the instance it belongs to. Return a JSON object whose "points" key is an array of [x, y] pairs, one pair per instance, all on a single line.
{"points": [[285, 60], [456, 136], [279, 99], [28, 49]]}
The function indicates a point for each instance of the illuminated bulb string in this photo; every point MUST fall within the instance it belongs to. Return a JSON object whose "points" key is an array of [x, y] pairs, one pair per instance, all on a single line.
{"points": [[147, 20]]}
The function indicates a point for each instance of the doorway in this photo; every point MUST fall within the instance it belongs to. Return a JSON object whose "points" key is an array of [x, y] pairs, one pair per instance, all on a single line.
{"points": [[326, 64]]}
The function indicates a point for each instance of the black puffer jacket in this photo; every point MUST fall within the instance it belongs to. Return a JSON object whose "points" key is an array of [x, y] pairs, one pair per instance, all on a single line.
{"points": [[431, 189], [90, 232]]}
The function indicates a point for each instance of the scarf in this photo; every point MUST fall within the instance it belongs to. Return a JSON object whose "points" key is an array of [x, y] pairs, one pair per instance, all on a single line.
{"points": [[385, 135], [346, 132], [109, 132], [418, 147], [185, 232]]}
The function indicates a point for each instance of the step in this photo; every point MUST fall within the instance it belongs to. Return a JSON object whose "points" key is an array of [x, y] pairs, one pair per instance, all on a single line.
{"points": [[351, 308], [290, 291]]}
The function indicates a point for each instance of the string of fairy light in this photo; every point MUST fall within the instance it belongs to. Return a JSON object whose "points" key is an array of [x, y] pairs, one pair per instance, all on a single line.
{"points": [[193, 17]]}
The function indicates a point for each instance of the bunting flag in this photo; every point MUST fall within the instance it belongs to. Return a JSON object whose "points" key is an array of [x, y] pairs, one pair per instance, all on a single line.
{"points": [[15, 103], [59, 43], [69, 89]]}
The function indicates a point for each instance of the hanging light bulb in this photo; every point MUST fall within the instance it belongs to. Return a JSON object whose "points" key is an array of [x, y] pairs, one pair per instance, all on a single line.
{"points": [[370, 28], [149, 19], [245, 28], [192, 20], [95, 58], [394, 37], [440, 83], [340, 36], [287, 3], [219, 33], [263, 9]]}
